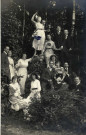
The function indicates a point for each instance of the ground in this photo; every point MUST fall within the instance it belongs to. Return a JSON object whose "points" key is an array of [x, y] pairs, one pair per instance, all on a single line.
{"points": [[12, 126]]}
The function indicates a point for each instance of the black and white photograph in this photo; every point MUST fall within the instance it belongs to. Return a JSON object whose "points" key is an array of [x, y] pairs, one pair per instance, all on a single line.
{"points": [[43, 67]]}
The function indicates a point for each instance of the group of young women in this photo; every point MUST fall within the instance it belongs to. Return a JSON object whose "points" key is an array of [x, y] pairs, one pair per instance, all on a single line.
{"points": [[17, 88]]}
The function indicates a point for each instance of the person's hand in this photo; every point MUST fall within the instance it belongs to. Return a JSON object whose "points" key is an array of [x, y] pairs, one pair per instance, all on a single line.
{"points": [[61, 47]]}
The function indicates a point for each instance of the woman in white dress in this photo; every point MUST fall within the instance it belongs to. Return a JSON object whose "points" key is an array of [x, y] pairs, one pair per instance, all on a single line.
{"points": [[39, 34], [22, 71], [49, 49], [35, 89], [11, 65], [17, 102]]}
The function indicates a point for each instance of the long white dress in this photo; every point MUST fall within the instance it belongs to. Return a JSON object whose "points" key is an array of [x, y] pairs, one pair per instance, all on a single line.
{"points": [[22, 71], [38, 44], [17, 102], [11, 67]]}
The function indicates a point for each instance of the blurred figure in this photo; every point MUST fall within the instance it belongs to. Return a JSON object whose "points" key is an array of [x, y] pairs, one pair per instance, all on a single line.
{"points": [[59, 83], [47, 77], [66, 48], [17, 102], [53, 58], [39, 34], [68, 75], [21, 67], [11, 65], [58, 68], [35, 88], [5, 71], [49, 49]]}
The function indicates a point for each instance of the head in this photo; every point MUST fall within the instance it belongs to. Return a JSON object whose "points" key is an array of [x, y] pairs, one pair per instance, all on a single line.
{"points": [[39, 19], [66, 65], [66, 32], [24, 56], [58, 64], [41, 58], [14, 79], [10, 53], [43, 22], [59, 78], [51, 64], [53, 58], [48, 37], [58, 29], [6, 49], [77, 80], [34, 76]]}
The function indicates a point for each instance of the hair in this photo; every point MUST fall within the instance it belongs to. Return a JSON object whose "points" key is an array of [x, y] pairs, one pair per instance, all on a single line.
{"points": [[14, 77], [52, 56], [35, 75], [6, 47], [58, 62], [59, 75], [23, 54]]}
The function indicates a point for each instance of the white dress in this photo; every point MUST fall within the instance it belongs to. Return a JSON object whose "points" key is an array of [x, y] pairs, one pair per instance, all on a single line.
{"points": [[17, 102], [39, 44], [22, 71], [11, 67], [35, 91]]}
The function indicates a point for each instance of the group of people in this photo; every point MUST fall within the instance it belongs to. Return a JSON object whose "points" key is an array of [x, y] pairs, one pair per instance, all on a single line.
{"points": [[51, 73]]}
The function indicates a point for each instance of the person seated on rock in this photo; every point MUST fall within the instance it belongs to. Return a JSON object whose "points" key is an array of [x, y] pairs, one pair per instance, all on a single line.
{"points": [[17, 102]]}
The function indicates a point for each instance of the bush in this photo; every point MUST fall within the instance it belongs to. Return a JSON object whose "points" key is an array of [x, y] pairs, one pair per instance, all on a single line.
{"points": [[57, 106]]}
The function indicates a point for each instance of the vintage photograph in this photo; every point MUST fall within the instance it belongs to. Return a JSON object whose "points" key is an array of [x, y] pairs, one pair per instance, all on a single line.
{"points": [[43, 67]]}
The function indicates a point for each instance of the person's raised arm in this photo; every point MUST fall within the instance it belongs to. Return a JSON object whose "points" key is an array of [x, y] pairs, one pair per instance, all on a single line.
{"points": [[32, 19]]}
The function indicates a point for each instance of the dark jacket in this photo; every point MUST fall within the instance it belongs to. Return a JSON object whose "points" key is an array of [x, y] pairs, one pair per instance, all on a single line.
{"points": [[5, 64]]}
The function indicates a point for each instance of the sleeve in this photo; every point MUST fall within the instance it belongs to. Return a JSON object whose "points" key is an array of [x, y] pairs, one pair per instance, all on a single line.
{"points": [[39, 86], [54, 47], [28, 60], [11, 90], [18, 64]]}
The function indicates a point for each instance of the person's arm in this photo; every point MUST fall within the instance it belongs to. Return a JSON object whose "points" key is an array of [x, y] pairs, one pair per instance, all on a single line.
{"points": [[29, 59], [44, 47], [32, 19], [18, 64], [39, 86], [54, 46]]}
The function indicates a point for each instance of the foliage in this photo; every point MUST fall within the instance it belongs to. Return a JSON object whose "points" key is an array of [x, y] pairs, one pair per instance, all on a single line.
{"points": [[58, 106]]}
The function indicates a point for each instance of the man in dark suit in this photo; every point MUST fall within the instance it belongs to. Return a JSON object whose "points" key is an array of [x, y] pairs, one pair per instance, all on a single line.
{"points": [[5, 64], [66, 47], [67, 74], [47, 78]]}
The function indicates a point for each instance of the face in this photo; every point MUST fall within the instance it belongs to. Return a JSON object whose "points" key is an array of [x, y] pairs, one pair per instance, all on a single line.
{"points": [[53, 58], [6, 49], [24, 56], [41, 58], [51, 64], [14, 80], [58, 64], [48, 37], [43, 22], [33, 77], [66, 65], [9, 53], [38, 19], [66, 32], [59, 80], [77, 80], [58, 28]]}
